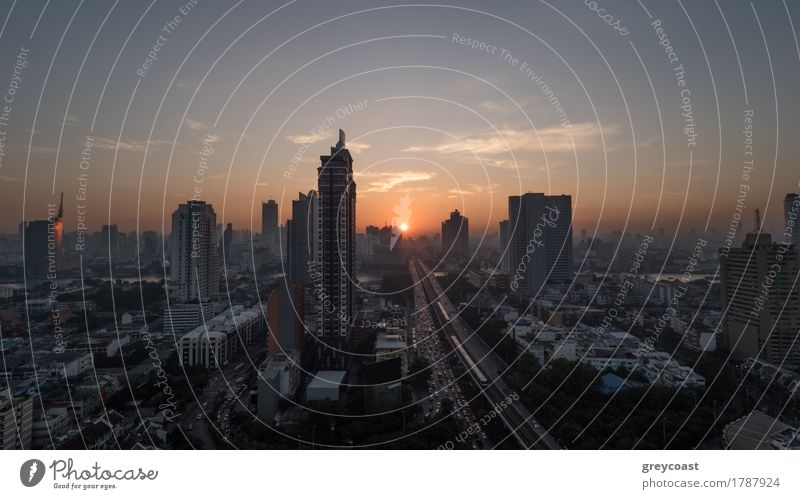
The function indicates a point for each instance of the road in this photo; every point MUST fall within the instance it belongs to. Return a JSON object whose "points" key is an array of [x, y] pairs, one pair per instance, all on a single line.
{"points": [[528, 432]]}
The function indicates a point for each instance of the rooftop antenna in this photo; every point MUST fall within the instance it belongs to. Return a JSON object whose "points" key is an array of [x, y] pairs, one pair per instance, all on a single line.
{"points": [[758, 221], [342, 141], [61, 207]]}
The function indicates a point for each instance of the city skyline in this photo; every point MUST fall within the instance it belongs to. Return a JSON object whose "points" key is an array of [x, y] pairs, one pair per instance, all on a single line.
{"points": [[594, 154], [367, 225]]}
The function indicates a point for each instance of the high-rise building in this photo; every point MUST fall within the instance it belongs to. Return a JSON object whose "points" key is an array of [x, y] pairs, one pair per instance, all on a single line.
{"points": [[300, 237], [227, 239], [336, 249], [109, 235], [41, 240], [540, 240], [194, 265], [285, 315], [761, 306], [269, 222], [455, 235], [791, 209], [505, 248]]}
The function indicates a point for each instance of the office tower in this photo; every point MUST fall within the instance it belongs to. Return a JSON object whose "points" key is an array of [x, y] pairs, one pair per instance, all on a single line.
{"points": [[791, 209], [194, 263], [455, 235], [149, 244], [761, 309], [109, 235], [300, 237], [336, 245], [541, 240], [269, 222], [285, 315], [505, 245], [41, 240], [227, 238]]}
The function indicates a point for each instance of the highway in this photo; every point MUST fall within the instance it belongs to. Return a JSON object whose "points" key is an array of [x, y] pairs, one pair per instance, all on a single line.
{"points": [[529, 433]]}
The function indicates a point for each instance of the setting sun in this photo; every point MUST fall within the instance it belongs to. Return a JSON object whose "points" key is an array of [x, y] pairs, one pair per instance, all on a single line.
{"points": [[403, 227]]}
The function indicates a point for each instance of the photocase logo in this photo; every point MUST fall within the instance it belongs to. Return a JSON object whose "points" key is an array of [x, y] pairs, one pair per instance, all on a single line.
{"points": [[31, 472], [402, 215]]}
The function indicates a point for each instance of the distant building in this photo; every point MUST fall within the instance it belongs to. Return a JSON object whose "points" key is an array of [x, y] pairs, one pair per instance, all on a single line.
{"points": [[41, 241], [194, 265], [455, 235], [110, 241], [761, 306], [269, 221], [334, 276]]}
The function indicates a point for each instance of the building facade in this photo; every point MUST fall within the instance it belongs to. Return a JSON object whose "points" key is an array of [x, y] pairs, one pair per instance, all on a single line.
{"points": [[760, 305], [194, 265], [336, 251], [455, 235], [540, 240]]}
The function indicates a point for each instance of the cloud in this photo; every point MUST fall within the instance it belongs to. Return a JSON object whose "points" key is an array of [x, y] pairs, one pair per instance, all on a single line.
{"points": [[387, 181], [194, 125], [129, 145], [552, 139], [357, 147], [472, 190], [311, 138]]}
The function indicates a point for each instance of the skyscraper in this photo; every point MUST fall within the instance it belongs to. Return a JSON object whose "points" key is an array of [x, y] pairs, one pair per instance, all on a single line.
{"points": [[300, 237], [505, 248], [455, 235], [194, 264], [791, 209], [540, 240], [761, 309], [336, 246], [227, 239], [269, 222]]}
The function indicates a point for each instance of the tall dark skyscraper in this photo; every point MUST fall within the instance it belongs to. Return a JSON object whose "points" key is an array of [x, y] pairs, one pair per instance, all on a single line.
{"points": [[336, 245], [269, 222], [300, 237], [541, 240], [194, 265], [455, 235]]}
